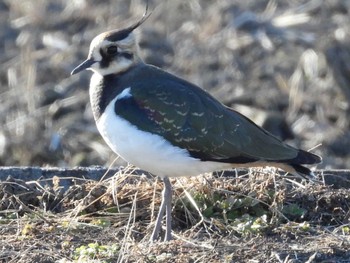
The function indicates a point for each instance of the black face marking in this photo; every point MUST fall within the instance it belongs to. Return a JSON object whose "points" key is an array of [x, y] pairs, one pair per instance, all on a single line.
{"points": [[110, 54], [106, 59]]}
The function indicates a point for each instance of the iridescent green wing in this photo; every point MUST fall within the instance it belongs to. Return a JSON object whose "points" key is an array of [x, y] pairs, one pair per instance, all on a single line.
{"points": [[191, 119]]}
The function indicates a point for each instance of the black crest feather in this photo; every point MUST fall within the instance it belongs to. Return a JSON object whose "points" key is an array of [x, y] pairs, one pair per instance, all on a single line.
{"points": [[115, 35]]}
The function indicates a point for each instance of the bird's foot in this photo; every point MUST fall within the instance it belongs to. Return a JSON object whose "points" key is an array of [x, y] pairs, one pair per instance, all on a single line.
{"points": [[155, 233]]}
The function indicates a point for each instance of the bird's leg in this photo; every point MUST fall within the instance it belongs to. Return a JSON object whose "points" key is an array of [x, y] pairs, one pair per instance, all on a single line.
{"points": [[165, 204], [158, 224], [167, 196]]}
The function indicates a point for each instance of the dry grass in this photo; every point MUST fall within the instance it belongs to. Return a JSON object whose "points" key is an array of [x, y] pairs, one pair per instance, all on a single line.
{"points": [[260, 216]]}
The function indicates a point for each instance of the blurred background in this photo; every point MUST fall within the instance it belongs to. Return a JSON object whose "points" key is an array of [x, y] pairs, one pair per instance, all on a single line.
{"points": [[284, 64]]}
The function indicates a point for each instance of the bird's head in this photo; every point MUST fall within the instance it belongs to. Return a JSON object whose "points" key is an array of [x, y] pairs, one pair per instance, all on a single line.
{"points": [[113, 51]]}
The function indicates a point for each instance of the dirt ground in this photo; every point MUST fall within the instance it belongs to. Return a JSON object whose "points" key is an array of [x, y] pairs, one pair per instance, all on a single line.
{"points": [[252, 217], [285, 64]]}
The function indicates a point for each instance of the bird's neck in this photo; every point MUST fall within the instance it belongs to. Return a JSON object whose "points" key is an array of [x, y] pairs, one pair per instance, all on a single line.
{"points": [[103, 89]]}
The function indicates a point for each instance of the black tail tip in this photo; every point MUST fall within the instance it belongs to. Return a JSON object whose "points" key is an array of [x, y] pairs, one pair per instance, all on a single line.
{"points": [[304, 171], [305, 157]]}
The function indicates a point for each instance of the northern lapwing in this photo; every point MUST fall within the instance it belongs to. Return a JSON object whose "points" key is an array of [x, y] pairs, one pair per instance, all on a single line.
{"points": [[170, 127]]}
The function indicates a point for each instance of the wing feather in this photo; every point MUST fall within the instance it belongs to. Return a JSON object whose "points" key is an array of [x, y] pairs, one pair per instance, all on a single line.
{"points": [[190, 118]]}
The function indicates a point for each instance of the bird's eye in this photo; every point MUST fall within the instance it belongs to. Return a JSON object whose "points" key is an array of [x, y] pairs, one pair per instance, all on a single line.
{"points": [[112, 50]]}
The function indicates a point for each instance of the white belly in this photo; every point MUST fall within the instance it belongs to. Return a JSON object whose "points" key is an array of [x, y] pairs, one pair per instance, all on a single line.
{"points": [[147, 151]]}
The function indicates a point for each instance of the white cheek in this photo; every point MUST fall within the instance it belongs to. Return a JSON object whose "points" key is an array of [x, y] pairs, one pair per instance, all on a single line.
{"points": [[95, 53], [120, 65]]}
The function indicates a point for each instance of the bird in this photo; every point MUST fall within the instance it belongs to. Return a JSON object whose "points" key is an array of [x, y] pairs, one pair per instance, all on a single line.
{"points": [[170, 127]]}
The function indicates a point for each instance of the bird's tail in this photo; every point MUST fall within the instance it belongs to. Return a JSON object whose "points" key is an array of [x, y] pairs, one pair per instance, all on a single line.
{"points": [[303, 171], [302, 158], [305, 157]]}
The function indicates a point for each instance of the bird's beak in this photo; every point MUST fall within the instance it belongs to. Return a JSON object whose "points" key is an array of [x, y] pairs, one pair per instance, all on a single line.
{"points": [[85, 65]]}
